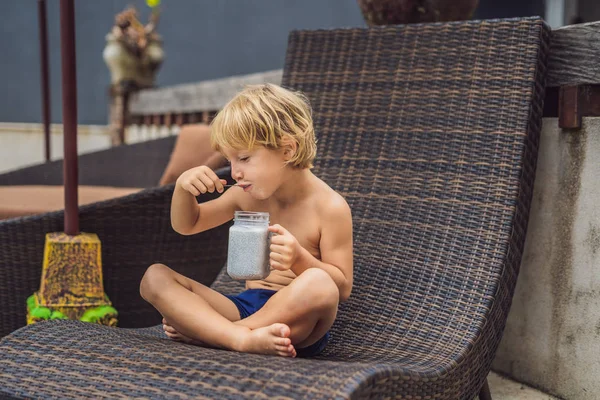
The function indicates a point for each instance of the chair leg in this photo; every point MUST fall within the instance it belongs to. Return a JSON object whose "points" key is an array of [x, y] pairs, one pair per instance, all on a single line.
{"points": [[484, 393]]}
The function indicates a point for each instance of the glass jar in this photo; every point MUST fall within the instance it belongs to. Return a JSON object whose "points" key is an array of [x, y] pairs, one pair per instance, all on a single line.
{"points": [[248, 251]]}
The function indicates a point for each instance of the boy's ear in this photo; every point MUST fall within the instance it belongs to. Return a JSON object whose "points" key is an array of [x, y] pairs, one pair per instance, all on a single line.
{"points": [[289, 146]]}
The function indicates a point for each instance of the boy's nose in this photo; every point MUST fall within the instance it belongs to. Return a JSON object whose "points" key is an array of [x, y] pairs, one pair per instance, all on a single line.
{"points": [[236, 174]]}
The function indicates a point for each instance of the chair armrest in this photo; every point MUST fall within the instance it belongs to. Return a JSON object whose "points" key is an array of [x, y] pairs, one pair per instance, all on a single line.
{"points": [[135, 232], [134, 165]]}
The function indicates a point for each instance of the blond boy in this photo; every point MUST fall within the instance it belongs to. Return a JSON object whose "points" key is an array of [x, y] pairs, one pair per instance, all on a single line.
{"points": [[266, 133]]}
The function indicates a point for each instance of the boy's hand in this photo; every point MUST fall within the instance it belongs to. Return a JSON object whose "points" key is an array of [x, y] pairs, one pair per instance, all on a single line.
{"points": [[284, 248], [200, 180]]}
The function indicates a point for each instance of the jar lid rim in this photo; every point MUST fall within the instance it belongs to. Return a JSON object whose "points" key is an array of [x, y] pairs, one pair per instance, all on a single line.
{"points": [[252, 213], [251, 216]]}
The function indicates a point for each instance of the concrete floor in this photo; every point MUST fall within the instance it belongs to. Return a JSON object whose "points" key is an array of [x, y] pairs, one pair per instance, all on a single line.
{"points": [[506, 389]]}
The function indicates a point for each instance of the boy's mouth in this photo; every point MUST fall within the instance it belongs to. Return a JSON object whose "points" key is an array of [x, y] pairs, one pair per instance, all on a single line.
{"points": [[246, 187]]}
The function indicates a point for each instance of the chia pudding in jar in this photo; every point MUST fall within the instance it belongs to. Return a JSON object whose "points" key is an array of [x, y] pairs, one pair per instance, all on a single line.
{"points": [[248, 252]]}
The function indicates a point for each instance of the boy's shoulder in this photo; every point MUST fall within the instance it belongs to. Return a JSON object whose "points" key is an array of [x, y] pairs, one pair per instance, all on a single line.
{"points": [[329, 202]]}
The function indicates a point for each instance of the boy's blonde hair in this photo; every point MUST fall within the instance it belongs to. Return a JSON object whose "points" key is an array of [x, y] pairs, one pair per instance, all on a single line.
{"points": [[262, 115]]}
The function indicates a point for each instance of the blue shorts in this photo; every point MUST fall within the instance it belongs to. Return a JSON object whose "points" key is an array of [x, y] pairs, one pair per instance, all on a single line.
{"points": [[250, 301]]}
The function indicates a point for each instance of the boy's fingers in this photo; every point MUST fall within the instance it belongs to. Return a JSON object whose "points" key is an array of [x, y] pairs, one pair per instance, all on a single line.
{"points": [[275, 248], [214, 179], [192, 189], [276, 257], [199, 185], [208, 183], [276, 265], [220, 185], [280, 230], [277, 239], [211, 174]]}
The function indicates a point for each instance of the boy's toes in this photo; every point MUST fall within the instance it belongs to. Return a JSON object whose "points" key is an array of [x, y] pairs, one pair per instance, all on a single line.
{"points": [[174, 336], [283, 342], [168, 328], [284, 348], [281, 330], [286, 351]]}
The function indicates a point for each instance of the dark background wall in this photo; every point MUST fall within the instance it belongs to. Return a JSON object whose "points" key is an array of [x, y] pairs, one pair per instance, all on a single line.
{"points": [[589, 10], [203, 39]]}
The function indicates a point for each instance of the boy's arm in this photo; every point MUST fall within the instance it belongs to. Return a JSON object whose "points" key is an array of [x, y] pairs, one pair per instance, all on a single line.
{"points": [[335, 246], [187, 216]]}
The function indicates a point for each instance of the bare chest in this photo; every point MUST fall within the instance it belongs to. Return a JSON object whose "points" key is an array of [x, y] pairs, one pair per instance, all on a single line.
{"points": [[305, 229], [302, 222]]}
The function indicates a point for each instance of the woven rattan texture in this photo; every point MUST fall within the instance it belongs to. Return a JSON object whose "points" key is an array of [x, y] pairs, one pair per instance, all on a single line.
{"points": [[431, 134], [135, 232]]}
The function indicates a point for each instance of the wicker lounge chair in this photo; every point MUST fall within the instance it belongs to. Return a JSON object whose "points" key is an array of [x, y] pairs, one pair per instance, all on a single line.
{"points": [[134, 230], [431, 133]]}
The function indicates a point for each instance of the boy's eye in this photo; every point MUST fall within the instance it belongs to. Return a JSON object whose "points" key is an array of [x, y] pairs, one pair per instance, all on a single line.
{"points": [[244, 158]]}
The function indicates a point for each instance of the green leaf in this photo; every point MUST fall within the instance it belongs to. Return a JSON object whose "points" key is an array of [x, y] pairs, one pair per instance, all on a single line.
{"points": [[94, 314], [31, 303], [41, 312], [58, 315]]}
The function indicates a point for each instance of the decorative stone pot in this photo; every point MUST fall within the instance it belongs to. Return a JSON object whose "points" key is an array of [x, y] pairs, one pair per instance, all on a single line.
{"points": [[393, 12], [124, 65]]}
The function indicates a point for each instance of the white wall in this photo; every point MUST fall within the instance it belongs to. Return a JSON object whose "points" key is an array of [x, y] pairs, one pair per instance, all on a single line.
{"points": [[23, 144], [552, 337]]}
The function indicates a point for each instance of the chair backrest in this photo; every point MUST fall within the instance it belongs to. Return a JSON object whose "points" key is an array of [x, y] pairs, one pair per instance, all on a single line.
{"points": [[431, 133]]}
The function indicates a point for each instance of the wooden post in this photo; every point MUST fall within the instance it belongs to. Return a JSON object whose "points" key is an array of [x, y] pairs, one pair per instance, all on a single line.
{"points": [[569, 112], [69, 95], [44, 76]]}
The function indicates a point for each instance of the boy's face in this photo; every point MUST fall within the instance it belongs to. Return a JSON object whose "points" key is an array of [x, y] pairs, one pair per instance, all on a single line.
{"points": [[259, 171]]}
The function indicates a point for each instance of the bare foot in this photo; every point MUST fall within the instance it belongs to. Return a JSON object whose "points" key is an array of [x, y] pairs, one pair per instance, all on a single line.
{"points": [[173, 334], [273, 339]]}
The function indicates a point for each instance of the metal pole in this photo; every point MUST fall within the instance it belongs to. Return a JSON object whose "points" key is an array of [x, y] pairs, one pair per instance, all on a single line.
{"points": [[69, 100], [44, 77], [123, 122]]}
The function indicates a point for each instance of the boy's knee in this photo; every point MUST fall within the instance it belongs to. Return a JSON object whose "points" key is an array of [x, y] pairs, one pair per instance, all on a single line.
{"points": [[152, 280], [320, 287]]}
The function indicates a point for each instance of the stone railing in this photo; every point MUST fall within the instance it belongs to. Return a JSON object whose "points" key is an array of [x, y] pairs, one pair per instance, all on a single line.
{"points": [[573, 82], [158, 112]]}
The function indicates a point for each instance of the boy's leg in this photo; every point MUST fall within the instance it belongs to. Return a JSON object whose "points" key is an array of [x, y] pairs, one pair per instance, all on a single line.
{"points": [[216, 300], [182, 304], [308, 306]]}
